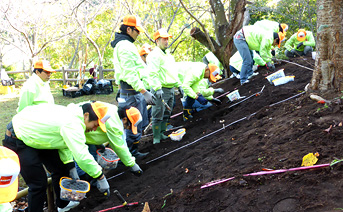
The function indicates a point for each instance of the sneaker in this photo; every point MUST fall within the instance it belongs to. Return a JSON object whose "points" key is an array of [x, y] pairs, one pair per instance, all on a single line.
{"points": [[245, 82], [72, 204], [238, 76], [253, 74]]}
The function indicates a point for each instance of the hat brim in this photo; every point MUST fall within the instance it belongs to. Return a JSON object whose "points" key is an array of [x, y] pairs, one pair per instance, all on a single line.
{"points": [[301, 39], [140, 29], [102, 126], [134, 129], [165, 36], [9, 193], [212, 78], [49, 70]]}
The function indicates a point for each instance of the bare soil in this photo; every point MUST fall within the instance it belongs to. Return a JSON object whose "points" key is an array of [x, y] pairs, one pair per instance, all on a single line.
{"points": [[273, 137]]}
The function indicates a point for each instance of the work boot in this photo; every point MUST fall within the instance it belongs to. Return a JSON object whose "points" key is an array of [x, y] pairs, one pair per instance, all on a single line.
{"points": [[71, 204], [156, 130], [163, 129], [135, 153], [187, 114]]}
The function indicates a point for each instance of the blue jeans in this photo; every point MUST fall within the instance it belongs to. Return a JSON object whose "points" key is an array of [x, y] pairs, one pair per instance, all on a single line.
{"points": [[233, 70], [193, 104], [247, 56]]}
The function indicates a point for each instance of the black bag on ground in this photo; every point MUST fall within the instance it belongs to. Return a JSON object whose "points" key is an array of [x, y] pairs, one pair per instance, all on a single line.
{"points": [[89, 87]]}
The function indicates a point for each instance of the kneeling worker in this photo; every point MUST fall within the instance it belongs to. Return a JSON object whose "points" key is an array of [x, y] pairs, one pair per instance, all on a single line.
{"points": [[53, 136], [191, 86], [122, 118], [300, 44]]}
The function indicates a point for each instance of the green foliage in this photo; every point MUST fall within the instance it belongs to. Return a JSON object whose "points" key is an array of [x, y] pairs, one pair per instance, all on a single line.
{"points": [[297, 14]]}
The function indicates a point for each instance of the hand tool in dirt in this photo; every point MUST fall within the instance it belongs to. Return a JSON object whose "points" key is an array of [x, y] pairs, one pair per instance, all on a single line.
{"points": [[120, 197], [166, 105]]}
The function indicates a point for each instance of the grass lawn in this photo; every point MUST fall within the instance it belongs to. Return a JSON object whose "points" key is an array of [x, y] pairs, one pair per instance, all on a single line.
{"points": [[9, 104]]}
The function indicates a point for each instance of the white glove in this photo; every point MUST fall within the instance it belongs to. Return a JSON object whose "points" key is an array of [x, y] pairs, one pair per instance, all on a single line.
{"points": [[136, 170], [103, 186], [159, 94], [254, 67], [218, 90], [73, 174], [149, 98]]}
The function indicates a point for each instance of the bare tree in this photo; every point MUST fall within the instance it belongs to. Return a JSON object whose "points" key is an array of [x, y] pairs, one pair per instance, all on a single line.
{"points": [[35, 24], [329, 61], [224, 28]]}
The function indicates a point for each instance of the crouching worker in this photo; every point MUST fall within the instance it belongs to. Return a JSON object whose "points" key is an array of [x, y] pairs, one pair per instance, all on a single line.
{"points": [[52, 135], [207, 92], [299, 44], [191, 87], [123, 118]]}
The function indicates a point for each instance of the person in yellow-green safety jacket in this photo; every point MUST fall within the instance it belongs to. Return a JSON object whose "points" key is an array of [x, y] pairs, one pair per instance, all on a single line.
{"points": [[251, 38], [300, 43], [236, 62], [54, 136], [193, 89], [164, 78], [121, 118], [211, 58], [274, 26], [36, 89], [128, 65]]}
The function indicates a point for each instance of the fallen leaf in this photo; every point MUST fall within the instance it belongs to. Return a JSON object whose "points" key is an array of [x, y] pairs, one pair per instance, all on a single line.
{"points": [[340, 124], [233, 139], [186, 170], [146, 207]]}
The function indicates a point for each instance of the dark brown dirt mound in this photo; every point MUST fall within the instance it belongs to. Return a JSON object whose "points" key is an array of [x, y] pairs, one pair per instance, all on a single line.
{"points": [[274, 137]]}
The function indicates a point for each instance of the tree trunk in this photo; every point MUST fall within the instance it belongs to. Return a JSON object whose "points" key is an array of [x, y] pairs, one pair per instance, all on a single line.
{"points": [[329, 60], [224, 31]]}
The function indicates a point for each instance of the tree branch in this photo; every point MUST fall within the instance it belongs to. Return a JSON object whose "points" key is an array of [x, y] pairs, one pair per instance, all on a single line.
{"points": [[209, 40]]}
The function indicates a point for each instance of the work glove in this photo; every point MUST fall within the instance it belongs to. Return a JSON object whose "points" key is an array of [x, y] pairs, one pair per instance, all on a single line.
{"points": [[216, 101], [73, 174], [293, 52], [270, 66], [273, 52], [149, 98], [219, 90], [182, 93], [101, 148], [299, 45], [201, 99], [159, 94], [103, 186], [136, 170]]}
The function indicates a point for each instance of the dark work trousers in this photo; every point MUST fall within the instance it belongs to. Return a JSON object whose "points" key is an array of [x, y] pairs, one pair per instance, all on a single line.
{"points": [[138, 102], [32, 170], [159, 111]]}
